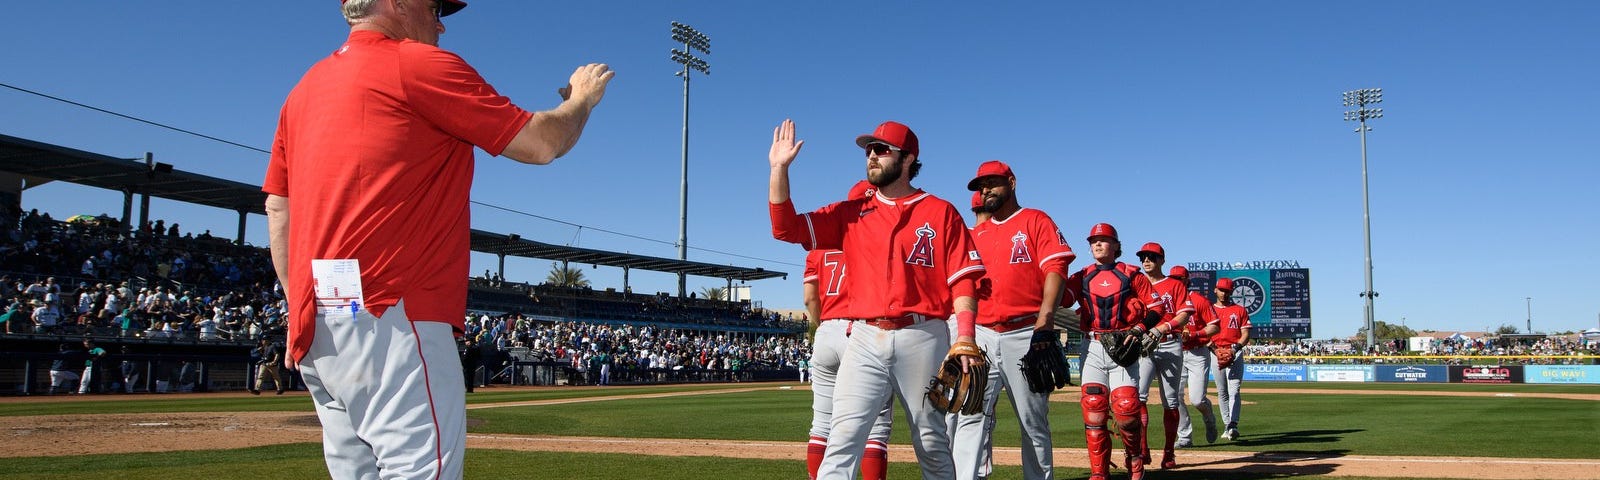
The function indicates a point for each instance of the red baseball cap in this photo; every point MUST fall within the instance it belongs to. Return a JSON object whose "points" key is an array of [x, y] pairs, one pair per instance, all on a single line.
{"points": [[862, 189], [1225, 284], [1152, 248], [1103, 230], [446, 7], [992, 168], [896, 134], [1179, 272], [977, 199]]}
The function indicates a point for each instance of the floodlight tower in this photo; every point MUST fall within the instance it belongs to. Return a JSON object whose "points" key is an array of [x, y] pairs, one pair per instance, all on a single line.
{"points": [[1361, 99], [692, 40]]}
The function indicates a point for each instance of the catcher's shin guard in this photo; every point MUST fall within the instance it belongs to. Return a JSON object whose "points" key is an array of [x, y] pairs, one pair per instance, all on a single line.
{"points": [[1096, 405], [1125, 408]]}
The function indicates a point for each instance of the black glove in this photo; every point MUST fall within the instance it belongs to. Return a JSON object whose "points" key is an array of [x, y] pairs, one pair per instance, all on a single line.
{"points": [[1045, 365]]}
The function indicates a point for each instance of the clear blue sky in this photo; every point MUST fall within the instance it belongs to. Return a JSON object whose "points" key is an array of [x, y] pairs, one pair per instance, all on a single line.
{"points": [[1215, 130]]}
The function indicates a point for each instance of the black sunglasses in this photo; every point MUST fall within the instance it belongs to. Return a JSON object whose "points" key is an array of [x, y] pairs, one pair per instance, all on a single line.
{"points": [[879, 148]]}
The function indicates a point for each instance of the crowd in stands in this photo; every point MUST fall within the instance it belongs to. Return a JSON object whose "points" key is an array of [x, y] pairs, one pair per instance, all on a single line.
{"points": [[602, 353], [492, 293], [91, 276]]}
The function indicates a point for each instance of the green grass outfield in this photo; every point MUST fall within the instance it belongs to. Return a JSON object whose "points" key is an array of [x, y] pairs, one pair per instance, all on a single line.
{"points": [[1336, 424]]}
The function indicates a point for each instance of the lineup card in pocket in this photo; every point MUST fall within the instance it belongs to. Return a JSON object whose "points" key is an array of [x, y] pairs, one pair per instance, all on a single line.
{"points": [[338, 286]]}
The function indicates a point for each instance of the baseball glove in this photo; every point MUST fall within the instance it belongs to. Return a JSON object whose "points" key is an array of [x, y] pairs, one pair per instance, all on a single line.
{"points": [[957, 389], [1224, 355], [1123, 346], [1045, 365]]}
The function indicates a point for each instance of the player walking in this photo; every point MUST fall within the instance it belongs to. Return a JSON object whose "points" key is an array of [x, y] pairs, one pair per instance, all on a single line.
{"points": [[912, 250], [1111, 297], [1027, 264], [825, 298], [1166, 363], [1196, 362], [1235, 334]]}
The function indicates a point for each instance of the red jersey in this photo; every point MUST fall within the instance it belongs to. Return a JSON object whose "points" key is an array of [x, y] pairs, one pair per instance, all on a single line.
{"points": [[374, 152], [1111, 297], [825, 268], [1018, 254], [1173, 296], [908, 251], [1195, 331], [1234, 318]]}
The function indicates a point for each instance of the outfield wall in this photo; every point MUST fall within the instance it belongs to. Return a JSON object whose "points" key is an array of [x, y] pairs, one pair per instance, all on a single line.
{"points": [[1550, 374]]}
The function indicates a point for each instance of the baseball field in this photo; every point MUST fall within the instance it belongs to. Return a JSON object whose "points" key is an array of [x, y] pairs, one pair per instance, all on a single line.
{"points": [[758, 431]]}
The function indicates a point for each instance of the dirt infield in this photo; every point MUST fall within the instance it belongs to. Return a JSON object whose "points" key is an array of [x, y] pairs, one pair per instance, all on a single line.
{"points": [[156, 432]]}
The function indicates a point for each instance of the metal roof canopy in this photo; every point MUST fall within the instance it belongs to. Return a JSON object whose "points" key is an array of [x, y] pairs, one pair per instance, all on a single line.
{"points": [[54, 162], [517, 246]]}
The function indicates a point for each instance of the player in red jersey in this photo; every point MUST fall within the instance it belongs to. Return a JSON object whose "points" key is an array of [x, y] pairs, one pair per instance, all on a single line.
{"points": [[1111, 296], [1236, 332], [913, 252], [1196, 362], [1027, 261], [825, 299], [1166, 363]]}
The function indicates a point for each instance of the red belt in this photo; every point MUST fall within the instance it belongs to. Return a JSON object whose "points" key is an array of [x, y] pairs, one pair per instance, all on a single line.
{"points": [[1013, 324], [896, 323]]}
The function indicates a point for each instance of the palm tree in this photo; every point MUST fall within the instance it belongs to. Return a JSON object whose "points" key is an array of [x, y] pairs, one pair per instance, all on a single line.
{"points": [[714, 293], [565, 276]]}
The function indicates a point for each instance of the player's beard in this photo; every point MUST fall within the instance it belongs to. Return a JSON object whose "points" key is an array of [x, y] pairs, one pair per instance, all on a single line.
{"points": [[887, 174], [994, 202]]}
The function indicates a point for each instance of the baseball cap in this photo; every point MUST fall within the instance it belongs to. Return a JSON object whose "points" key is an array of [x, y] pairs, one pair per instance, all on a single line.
{"points": [[977, 199], [992, 168], [446, 7], [1179, 272], [1102, 230], [896, 134], [861, 189], [1152, 248], [1225, 284]]}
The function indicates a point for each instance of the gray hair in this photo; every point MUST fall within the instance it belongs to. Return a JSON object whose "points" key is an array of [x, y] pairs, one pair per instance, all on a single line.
{"points": [[356, 10]]}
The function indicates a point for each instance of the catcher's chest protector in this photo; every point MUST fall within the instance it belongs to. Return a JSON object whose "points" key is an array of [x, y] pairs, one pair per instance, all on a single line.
{"points": [[1109, 289]]}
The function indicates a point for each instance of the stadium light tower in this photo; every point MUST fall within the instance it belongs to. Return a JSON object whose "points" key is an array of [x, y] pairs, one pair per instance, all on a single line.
{"points": [[1530, 314], [1361, 99], [692, 40]]}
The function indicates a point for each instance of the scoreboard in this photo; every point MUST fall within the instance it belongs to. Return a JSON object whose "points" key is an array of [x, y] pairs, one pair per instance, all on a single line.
{"points": [[1278, 299]]}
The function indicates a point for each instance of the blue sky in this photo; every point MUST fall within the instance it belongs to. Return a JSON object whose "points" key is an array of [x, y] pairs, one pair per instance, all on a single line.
{"points": [[1214, 129]]}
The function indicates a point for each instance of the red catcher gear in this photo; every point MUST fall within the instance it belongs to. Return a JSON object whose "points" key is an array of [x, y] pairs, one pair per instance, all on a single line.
{"points": [[1103, 230], [1225, 284]]}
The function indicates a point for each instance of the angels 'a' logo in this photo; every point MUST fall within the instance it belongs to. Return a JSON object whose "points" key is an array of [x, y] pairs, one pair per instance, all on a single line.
{"points": [[922, 252], [1019, 249], [1061, 238]]}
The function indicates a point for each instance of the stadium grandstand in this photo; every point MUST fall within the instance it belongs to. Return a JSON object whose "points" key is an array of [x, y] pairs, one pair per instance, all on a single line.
{"points": [[175, 311]]}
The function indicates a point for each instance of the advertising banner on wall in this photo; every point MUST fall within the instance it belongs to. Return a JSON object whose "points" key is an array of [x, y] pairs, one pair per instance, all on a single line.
{"points": [[1561, 373], [1341, 373], [1486, 374], [1275, 373], [1413, 373]]}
